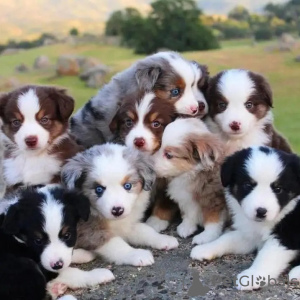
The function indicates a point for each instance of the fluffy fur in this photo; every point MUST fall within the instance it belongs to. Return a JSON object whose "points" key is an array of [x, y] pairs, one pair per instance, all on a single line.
{"points": [[37, 238], [240, 103], [190, 159], [35, 127], [117, 180], [167, 74], [262, 191]]}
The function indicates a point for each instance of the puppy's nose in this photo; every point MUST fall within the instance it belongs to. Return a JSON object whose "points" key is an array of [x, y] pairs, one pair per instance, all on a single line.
{"points": [[57, 265], [201, 106], [117, 211], [139, 142], [31, 141], [235, 126], [194, 109], [261, 213]]}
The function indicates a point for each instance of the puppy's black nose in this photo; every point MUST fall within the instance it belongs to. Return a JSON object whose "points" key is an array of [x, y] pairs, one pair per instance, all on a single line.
{"points": [[117, 211], [261, 213], [57, 265]]}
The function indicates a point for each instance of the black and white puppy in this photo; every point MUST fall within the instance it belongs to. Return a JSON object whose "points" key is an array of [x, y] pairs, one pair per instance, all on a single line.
{"points": [[262, 188], [37, 237]]}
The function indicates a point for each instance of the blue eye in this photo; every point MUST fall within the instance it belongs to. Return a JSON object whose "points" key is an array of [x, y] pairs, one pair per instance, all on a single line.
{"points": [[175, 92], [127, 186], [99, 190]]}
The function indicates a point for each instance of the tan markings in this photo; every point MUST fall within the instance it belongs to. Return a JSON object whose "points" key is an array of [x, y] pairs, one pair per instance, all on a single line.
{"points": [[40, 114], [64, 230], [211, 215], [153, 116], [125, 179], [131, 115]]}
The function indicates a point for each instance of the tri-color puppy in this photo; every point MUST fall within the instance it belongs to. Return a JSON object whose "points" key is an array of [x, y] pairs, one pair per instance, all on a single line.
{"points": [[35, 127], [190, 158], [167, 74], [240, 103], [117, 180], [262, 187], [37, 237]]}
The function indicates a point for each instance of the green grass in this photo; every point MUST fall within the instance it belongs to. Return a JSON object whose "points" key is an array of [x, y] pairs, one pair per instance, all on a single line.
{"points": [[280, 69]]}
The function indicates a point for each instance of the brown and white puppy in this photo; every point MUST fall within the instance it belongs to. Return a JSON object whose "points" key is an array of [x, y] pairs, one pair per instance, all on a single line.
{"points": [[190, 158], [240, 103], [35, 127]]}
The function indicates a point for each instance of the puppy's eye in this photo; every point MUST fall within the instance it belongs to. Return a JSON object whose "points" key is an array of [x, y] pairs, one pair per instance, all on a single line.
{"points": [[277, 190], [99, 190], [222, 105], [16, 123], [155, 124], [175, 92], [168, 155], [67, 236], [129, 122], [44, 120], [247, 185], [249, 104], [127, 186], [38, 241]]}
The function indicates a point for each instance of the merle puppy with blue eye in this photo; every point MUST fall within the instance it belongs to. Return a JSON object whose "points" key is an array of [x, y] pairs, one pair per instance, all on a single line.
{"points": [[37, 236], [117, 180], [240, 110], [262, 187]]}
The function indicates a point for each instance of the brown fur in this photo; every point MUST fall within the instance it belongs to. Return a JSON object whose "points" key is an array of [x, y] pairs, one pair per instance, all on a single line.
{"points": [[277, 140]]}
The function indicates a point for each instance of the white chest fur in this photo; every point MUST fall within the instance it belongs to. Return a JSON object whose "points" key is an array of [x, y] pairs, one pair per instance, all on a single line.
{"points": [[28, 168]]}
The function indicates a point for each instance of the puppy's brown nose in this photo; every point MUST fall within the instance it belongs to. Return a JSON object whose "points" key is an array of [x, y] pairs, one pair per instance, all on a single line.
{"points": [[117, 211], [201, 106], [235, 126], [31, 141], [139, 142]]}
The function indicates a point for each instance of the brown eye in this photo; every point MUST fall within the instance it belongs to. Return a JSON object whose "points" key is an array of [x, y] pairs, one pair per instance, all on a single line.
{"points": [[168, 155], [249, 104], [44, 120], [16, 123], [222, 105], [67, 236], [129, 122], [155, 124]]}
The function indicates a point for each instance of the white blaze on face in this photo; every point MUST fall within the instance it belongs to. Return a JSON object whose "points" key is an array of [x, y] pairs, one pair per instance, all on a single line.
{"points": [[236, 86], [262, 194], [140, 130], [29, 106], [56, 250]]}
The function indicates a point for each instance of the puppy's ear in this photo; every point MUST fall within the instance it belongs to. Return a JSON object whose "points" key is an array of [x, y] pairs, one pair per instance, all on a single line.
{"points": [[146, 171], [11, 223], [296, 165], [80, 203], [115, 123], [3, 101], [203, 82], [147, 77], [65, 103]]}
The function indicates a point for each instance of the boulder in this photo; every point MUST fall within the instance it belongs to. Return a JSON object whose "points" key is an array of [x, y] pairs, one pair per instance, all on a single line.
{"points": [[9, 51], [88, 63], [22, 68], [95, 76], [297, 59], [9, 83], [41, 62], [68, 65]]}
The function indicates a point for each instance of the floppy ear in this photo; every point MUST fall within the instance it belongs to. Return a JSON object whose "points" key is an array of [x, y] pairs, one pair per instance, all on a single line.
{"points": [[3, 101], [80, 203], [115, 123], [146, 171], [147, 77], [65, 103], [227, 170], [296, 166], [203, 82], [11, 223]]}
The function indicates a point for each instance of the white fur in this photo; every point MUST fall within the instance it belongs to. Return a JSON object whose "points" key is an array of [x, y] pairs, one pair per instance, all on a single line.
{"points": [[81, 256], [157, 224], [140, 130]]}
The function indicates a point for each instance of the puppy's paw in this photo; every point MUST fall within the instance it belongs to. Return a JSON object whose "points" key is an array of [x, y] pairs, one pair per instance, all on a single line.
{"points": [[67, 297], [56, 288], [166, 242], [81, 256], [249, 280], [100, 276], [186, 229], [203, 252], [204, 237], [157, 224], [139, 258]]}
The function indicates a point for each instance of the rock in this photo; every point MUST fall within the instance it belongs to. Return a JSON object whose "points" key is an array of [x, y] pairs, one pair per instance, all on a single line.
{"points": [[287, 38], [41, 62], [22, 68], [297, 59], [9, 51], [9, 83], [94, 76], [88, 63], [68, 65]]}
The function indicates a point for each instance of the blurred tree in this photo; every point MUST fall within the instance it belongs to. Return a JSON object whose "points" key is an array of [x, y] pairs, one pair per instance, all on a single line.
{"points": [[74, 32], [239, 13], [114, 24]]}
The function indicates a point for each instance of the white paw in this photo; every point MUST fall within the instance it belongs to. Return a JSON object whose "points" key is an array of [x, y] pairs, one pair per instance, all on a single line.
{"points": [[202, 252], [67, 297], [166, 242], [81, 256], [157, 224], [249, 280], [139, 258], [56, 288], [204, 237], [99, 276], [185, 229]]}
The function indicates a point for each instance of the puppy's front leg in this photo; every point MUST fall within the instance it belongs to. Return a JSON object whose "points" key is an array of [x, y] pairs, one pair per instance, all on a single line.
{"points": [[144, 235], [81, 256], [118, 251], [269, 263]]}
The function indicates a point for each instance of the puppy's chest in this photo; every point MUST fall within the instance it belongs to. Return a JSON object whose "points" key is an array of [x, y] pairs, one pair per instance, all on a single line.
{"points": [[31, 169]]}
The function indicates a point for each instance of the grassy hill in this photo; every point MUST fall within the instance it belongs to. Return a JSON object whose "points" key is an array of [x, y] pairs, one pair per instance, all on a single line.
{"points": [[279, 68]]}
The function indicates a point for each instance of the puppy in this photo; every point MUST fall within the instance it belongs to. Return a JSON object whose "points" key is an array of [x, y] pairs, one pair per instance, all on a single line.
{"points": [[240, 103], [172, 79], [35, 127], [262, 188], [37, 238], [117, 180], [190, 158]]}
